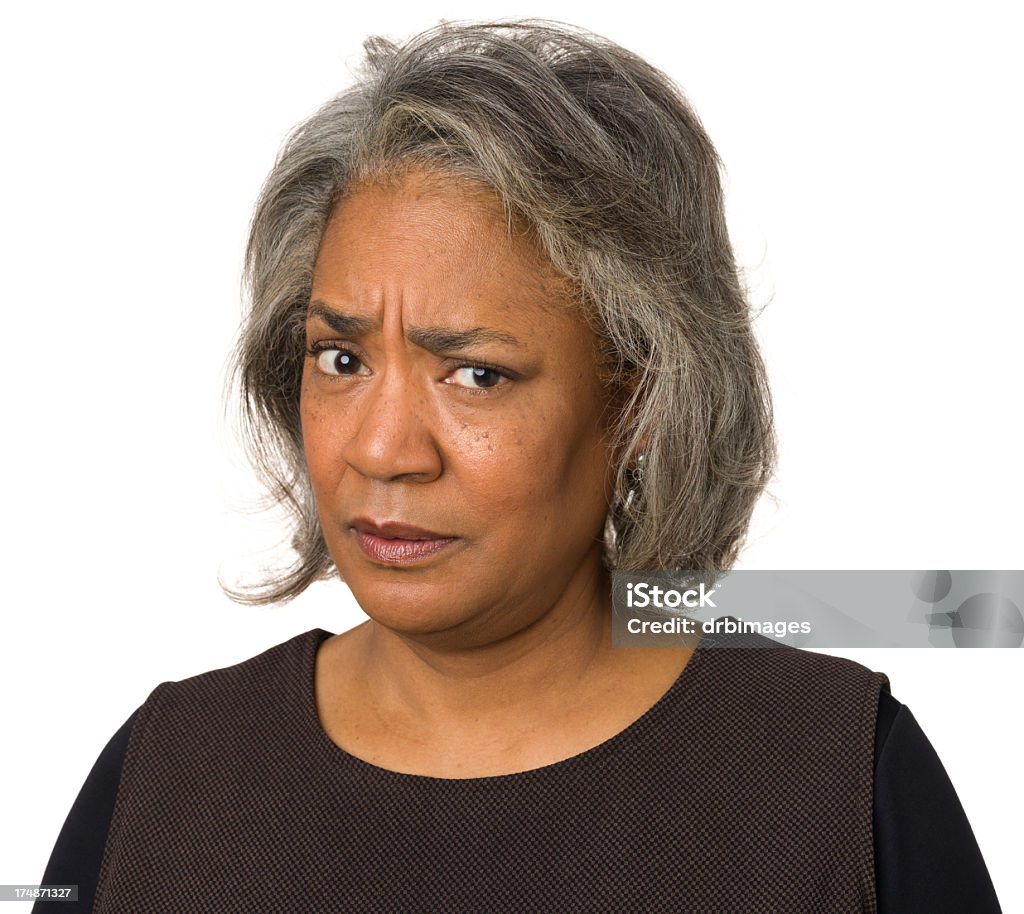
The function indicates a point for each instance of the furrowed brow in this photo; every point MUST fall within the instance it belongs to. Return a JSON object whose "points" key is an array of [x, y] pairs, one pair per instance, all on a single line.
{"points": [[440, 339], [433, 339], [345, 324]]}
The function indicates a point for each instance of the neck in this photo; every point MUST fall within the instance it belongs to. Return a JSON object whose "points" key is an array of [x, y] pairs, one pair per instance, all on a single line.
{"points": [[458, 679]]}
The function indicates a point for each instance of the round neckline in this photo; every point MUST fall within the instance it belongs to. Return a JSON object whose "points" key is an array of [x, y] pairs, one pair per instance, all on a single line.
{"points": [[636, 728]]}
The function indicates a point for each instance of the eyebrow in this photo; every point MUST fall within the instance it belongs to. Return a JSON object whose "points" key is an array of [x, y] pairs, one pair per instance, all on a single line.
{"points": [[433, 339]]}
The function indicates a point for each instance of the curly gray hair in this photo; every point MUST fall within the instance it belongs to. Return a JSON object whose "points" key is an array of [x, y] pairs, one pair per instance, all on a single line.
{"points": [[602, 157]]}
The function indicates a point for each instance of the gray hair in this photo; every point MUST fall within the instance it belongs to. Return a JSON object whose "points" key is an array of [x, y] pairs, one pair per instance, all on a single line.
{"points": [[600, 155]]}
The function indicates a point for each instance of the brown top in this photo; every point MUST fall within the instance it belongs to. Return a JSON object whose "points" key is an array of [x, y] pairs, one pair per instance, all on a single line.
{"points": [[749, 779]]}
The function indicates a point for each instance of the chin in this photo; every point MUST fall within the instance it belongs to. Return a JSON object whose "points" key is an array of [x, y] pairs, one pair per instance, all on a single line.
{"points": [[408, 606]]}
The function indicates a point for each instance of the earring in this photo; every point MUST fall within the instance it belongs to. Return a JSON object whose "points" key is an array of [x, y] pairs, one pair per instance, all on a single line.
{"points": [[611, 535], [636, 476]]}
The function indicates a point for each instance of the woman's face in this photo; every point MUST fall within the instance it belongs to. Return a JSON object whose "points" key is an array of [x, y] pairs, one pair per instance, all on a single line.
{"points": [[450, 387]]}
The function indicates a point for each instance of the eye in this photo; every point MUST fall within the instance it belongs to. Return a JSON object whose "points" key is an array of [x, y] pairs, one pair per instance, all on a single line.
{"points": [[337, 361], [479, 377]]}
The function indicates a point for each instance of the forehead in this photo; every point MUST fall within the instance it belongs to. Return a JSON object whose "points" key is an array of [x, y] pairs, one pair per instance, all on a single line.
{"points": [[439, 245]]}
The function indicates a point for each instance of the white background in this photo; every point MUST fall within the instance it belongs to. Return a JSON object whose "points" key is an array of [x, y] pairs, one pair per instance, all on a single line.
{"points": [[874, 190]]}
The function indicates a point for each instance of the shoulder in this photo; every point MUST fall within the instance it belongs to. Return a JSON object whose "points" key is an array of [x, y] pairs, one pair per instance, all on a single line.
{"points": [[751, 665], [282, 662], [229, 706], [798, 707]]}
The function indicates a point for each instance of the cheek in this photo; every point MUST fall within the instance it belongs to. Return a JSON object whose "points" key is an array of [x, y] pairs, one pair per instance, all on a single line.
{"points": [[489, 456], [542, 463], [322, 439]]}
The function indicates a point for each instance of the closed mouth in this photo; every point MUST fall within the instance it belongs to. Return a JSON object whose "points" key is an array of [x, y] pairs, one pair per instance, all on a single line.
{"points": [[400, 550]]}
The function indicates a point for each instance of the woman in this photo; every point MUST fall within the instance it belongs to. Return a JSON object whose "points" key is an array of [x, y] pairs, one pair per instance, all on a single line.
{"points": [[497, 348]]}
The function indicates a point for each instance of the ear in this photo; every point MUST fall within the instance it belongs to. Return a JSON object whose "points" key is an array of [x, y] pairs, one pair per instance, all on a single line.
{"points": [[641, 447], [619, 404]]}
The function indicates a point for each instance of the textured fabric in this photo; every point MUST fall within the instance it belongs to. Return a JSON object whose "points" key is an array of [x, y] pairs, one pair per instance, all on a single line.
{"points": [[748, 786], [927, 860]]}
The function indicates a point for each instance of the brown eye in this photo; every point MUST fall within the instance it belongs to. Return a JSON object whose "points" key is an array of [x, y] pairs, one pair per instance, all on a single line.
{"points": [[477, 376], [338, 362]]}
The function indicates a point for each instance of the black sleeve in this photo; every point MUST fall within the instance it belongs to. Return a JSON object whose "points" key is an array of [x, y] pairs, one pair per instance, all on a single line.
{"points": [[76, 856], [926, 857]]}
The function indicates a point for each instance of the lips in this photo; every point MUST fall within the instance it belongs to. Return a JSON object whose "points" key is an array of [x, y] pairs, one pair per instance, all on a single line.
{"points": [[395, 543]]}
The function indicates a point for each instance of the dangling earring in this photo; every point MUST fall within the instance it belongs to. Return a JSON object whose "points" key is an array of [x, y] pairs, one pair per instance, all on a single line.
{"points": [[611, 535]]}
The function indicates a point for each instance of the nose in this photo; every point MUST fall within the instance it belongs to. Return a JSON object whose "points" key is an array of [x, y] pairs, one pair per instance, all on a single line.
{"points": [[392, 436]]}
